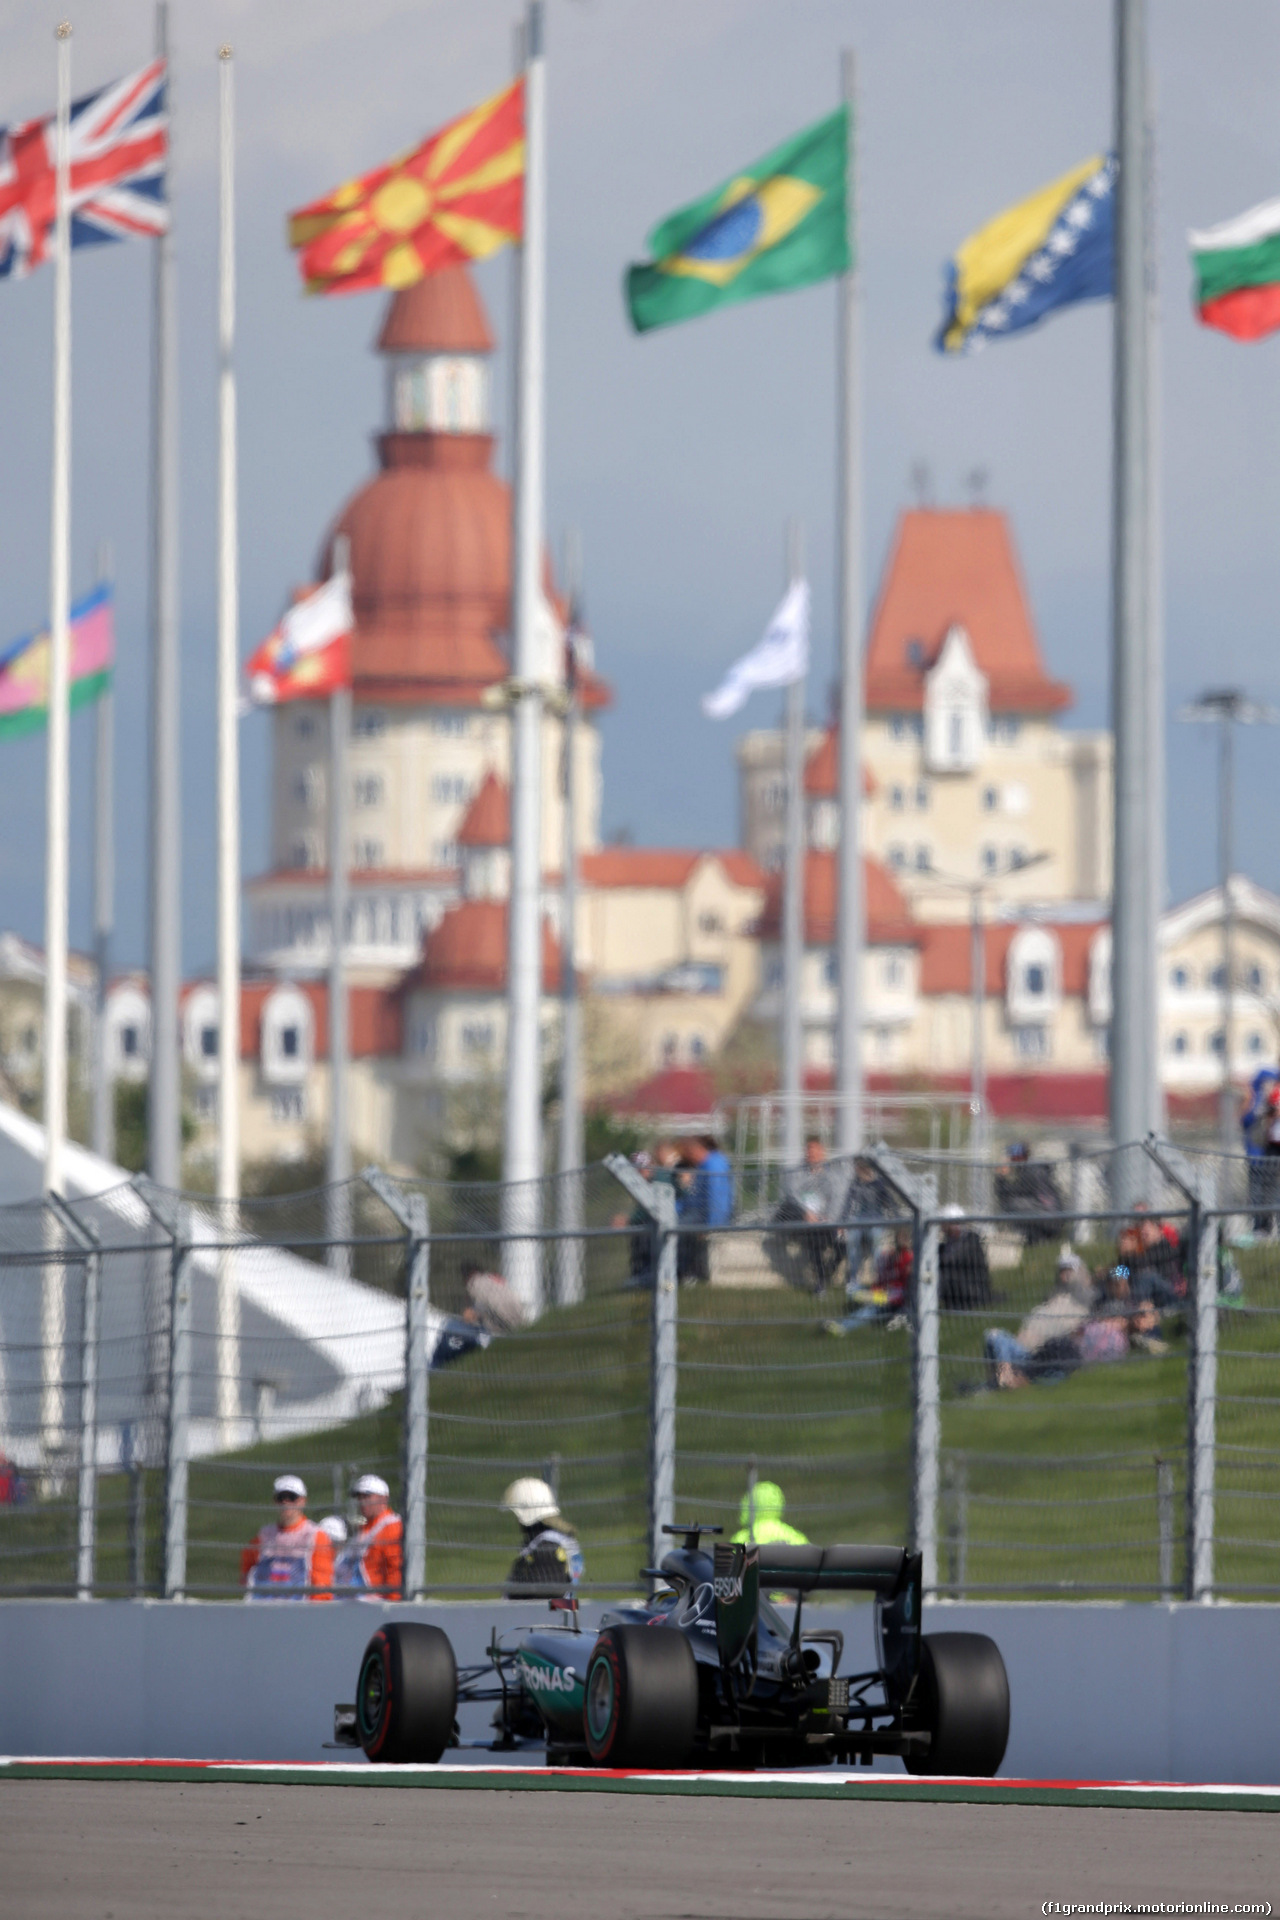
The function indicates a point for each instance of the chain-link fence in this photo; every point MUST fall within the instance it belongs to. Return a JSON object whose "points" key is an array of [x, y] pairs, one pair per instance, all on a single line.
{"points": [[1056, 1377]]}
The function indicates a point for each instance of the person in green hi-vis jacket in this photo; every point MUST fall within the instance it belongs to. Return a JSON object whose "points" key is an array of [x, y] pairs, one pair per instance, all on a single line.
{"points": [[760, 1517]]}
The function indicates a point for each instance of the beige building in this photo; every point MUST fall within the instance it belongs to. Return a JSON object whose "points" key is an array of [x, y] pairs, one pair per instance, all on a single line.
{"points": [[969, 775]]}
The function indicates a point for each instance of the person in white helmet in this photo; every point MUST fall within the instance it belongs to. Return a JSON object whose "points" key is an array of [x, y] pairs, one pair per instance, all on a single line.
{"points": [[293, 1558], [550, 1555], [372, 1561]]}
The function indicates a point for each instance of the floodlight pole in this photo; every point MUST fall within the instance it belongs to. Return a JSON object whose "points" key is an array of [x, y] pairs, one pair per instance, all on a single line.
{"points": [[849, 891], [792, 1021]]}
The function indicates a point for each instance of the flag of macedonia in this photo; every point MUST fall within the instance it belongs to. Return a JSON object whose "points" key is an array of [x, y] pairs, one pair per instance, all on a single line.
{"points": [[458, 196]]}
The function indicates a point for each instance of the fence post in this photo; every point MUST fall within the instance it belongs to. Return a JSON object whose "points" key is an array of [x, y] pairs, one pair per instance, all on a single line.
{"points": [[920, 1191], [1199, 1187], [659, 1202], [168, 1212], [87, 1489], [410, 1209]]}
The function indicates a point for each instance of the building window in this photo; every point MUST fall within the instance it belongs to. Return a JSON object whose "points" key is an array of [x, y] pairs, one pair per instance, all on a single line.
{"points": [[444, 853], [304, 724], [831, 969], [1216, 1042], [1216, 978], [289, 1042], [897, 858], [1254, 979], [477, 1036], [1035, 980], [368, 723], [906, 726], [894, 971], [1178, 1044], [990, 859], [1004, 727], [304, 788], [924, 861], [205, 1102], [670, 1048], [697, 1047], [128, 1041], [1178, 979], [773, 795], [287, 1104], [368, 790], [990, 799], [955, 735], [773, 973], [209, 1042], [1031, 1043], [922, 797], [368, 853], [710, 923], [1255, 1043], [452, 726], [897, 799], [450, 789]]}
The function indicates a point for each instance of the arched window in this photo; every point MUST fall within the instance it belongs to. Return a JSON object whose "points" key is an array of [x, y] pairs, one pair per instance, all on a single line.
{"points": [[287, 1045], [1033, 976], [200, 1019]]}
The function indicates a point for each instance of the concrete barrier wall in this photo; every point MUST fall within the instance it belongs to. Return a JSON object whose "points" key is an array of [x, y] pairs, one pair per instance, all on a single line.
{"points": [[1099, 1691]]}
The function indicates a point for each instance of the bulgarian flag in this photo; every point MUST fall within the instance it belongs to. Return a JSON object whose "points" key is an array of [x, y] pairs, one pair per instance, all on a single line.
{"points": [[1238, 273], [308, 656], [24, 665]]}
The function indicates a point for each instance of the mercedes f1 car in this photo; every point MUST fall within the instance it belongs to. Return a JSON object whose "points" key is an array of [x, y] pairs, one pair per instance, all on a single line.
{"points": [[707, 1672]]}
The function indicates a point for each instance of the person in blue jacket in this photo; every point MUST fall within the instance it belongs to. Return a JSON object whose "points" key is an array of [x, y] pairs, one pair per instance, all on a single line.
{"points": [[705, 1200]]}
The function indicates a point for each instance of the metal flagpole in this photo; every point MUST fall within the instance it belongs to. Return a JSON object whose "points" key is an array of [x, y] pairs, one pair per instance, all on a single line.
{"points": [[228, 1188], [53, 1293], [104, 1130], [792, 1029], [522, 1145], [570, 1277], [164, 1118], [848, 1061], [1134, 996], [339, 1170], [1155, 631]]}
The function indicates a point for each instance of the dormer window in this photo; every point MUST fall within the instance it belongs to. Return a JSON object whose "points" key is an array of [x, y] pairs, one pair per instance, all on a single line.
{"points": [[955, 708]]}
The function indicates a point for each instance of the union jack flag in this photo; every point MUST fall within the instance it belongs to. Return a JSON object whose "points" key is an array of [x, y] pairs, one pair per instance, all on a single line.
{"points": [[119, 145]]}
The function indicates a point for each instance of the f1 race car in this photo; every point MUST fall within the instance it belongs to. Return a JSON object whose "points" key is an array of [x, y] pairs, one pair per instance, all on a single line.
{"points": [[707, 1672]]}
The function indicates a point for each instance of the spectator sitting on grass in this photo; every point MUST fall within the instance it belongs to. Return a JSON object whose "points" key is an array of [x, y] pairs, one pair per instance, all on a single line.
{"points": [[815, 1193], [494, 1303], [1044, 1346], [964, 1279], [886, 1298]]}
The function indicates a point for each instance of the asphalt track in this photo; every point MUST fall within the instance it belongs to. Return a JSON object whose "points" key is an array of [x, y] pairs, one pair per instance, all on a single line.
{"points": [[257, 1849]]}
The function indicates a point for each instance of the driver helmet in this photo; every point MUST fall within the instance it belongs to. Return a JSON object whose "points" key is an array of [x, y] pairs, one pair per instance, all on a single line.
{"points": [[530, 1501]]}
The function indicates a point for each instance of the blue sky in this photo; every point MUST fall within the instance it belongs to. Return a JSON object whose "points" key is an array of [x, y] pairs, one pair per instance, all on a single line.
{"points": [[680, 455]]}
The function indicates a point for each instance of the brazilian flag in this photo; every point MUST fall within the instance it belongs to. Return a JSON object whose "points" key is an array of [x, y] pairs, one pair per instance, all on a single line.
{"points": [[782, 223]]}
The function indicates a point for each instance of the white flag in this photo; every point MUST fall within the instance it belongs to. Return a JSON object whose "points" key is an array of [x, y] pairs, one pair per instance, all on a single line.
{"points": [[778, 660]]}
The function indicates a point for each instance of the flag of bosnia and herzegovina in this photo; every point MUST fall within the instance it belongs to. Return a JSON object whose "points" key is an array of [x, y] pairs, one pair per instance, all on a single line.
{"points": [[782, 223]]}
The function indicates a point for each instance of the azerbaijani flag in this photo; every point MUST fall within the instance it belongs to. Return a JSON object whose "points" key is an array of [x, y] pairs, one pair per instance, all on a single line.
{"points": [[308, 656], [781, 223], [458, 196], [24, 665], [1238, 273]]}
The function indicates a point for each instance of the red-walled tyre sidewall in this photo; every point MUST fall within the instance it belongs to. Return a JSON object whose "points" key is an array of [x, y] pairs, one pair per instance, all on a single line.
{"points": [[407, 1693], [653, 1715]]}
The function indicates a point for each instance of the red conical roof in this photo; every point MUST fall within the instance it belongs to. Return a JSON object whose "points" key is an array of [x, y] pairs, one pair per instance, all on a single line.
{"points": [[441, 314], [487, 822]]}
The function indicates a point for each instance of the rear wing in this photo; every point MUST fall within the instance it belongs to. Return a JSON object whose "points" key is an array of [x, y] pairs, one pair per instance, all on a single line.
{"points": [[880, 1570]]}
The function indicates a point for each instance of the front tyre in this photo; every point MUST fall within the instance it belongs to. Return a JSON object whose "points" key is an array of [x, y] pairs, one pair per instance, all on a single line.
{"points": [[962, 1701], [407, 1694], [640, 1704]]}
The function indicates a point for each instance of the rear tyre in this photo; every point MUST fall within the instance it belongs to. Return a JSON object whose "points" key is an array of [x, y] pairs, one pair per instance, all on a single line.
{"points": [[407, 1693], [962, 1701], [640, 1702]]}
